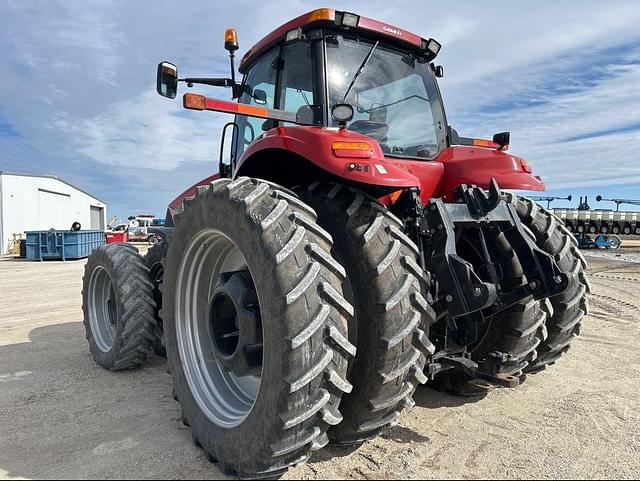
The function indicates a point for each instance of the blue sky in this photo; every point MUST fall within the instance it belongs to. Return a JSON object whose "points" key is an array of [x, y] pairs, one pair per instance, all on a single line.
{"points": [[77, 97]]}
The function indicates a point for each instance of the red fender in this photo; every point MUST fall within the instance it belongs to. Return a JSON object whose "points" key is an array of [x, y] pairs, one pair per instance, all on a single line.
{"points": [[478, 165], [436, 178], [190, 192], [317, 144]]}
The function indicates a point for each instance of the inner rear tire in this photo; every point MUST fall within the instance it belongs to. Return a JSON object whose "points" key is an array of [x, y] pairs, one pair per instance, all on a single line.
{"points": [[393, 309], [266, 234], [567, 309], [154, 260], [118, 307], [511, 338]]}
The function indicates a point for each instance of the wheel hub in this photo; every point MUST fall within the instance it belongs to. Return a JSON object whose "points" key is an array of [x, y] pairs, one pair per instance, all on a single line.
{"points": [[236, 329]]}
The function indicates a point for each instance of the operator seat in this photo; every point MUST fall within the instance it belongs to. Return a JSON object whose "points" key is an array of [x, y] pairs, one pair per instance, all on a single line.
{"points": [[375, 130], [376, 127]]}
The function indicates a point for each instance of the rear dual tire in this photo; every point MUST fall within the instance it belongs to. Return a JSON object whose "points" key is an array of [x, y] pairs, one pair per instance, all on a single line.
{"points": [[154, 260], [392, 304], [566, 311], [118, 307], [509, 344], [304, 316]]}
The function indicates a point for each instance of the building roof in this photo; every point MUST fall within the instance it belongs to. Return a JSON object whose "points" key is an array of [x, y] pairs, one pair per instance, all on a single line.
{"points": [[54, 177]]}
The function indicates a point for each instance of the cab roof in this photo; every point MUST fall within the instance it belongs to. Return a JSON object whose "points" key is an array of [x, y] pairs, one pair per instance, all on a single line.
{"points": [[336, 19]]}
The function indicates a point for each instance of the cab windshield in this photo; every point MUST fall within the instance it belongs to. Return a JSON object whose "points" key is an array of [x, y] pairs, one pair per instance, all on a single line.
{"points": [[395, 97]]}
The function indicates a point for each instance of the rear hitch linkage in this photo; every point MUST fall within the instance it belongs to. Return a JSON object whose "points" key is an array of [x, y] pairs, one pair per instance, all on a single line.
{"points": [[460, 289]]}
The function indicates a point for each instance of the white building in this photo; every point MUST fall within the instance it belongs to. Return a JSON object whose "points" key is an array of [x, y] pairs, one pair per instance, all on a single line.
{"points": [[40, 202]]}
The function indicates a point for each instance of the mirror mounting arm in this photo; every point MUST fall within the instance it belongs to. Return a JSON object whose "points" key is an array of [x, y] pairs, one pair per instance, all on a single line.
{"points": [[215, 82]]}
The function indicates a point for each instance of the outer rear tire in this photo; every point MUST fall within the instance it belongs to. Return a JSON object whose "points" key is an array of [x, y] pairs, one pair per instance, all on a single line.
{"points": [[568, 308], [393, 309], [118, 307], [304, 319]]}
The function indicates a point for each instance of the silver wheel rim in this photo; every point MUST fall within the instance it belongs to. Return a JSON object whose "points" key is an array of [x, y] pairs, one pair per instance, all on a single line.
{"points": [[103, 310], [223, 397]]}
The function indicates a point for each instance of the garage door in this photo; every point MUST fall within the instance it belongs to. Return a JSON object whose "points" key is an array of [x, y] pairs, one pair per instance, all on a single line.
{"points": [[55, 210], [97, 218]]}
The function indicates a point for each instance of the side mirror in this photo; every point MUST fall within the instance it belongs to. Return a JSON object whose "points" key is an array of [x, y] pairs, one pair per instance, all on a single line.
{"points": [[167, 80], [599, 198], [502, 139], [260, 96], [439, 71]]}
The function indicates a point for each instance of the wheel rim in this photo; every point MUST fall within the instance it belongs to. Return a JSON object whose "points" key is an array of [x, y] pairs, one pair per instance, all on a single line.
{"points": [[614, 242], [226, 399], [103, 309], [156, 274]]}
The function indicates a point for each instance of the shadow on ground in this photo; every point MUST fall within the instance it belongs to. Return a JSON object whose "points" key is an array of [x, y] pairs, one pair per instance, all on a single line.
{"points": [[62, 416]]}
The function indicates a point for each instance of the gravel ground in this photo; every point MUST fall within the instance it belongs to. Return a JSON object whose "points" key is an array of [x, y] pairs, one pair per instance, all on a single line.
{"points": [[61, 416]]}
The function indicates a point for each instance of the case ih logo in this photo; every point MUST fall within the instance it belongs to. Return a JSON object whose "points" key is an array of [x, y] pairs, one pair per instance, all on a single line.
{"points": [[392, 30]]}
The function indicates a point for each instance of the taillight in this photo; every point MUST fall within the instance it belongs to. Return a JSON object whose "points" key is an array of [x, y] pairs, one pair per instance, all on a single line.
{"points": [[360, 150]]}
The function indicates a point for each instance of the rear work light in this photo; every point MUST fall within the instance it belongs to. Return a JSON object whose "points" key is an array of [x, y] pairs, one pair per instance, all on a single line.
{"points": [[431, 47], [347, 19], [293, 35], [361, 150]]}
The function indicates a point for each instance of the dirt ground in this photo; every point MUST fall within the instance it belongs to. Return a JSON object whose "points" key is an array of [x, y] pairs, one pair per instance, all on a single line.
{"points": [[61, 416]]}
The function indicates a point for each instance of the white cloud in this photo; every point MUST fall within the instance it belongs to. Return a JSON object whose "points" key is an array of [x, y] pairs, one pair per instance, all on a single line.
{"points": [[78, 82], [147, 132]]}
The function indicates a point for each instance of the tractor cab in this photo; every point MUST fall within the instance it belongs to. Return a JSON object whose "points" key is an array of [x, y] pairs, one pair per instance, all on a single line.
{"points": [[333, 70], [369, 80]]}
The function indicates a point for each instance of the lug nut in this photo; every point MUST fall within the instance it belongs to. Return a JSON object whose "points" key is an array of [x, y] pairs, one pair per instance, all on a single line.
{"points": [[533, 285]]}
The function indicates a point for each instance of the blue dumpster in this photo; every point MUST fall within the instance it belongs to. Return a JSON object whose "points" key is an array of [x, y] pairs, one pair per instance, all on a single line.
{"points": [[62, 245]]}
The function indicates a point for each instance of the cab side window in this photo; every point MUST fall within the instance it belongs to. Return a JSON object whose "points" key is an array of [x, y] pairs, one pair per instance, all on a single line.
{"points": [[296, 79], [259, 88]]}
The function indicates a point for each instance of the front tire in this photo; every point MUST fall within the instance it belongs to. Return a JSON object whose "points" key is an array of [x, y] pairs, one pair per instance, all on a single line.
{"points": [[272, 417]]}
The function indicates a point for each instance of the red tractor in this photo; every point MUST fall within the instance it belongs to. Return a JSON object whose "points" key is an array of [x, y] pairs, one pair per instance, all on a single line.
{"points": [[352, 248]]}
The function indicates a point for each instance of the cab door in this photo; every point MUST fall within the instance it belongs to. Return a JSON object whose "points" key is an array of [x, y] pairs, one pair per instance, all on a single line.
{"points": [[296, 82], [258, 88]]}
